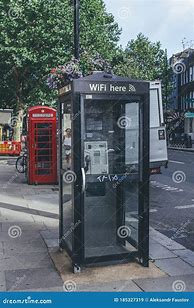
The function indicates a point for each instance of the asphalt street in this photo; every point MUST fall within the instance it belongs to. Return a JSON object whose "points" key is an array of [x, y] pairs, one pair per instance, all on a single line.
{"points": [[172, 199]]}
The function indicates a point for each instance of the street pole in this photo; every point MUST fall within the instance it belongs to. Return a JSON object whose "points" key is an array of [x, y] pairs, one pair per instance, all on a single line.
{"points": [[77, 29], [166, 81]]}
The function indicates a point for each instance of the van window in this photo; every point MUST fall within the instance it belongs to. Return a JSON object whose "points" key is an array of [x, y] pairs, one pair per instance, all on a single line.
{"points": [[154, 108]]}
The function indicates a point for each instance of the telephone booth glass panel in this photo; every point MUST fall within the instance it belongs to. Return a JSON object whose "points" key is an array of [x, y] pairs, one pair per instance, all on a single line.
{"points": [[111, 158], [68, 176]]}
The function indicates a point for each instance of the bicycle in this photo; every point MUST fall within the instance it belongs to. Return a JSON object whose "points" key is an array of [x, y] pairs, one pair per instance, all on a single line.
{"points": [[21, 163]]}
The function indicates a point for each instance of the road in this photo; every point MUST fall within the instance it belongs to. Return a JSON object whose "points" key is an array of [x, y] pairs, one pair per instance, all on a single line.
{"points": [[172, 199]]}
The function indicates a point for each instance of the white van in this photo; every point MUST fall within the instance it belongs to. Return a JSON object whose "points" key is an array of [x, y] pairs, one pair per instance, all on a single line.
{"points": [[158, 143]]}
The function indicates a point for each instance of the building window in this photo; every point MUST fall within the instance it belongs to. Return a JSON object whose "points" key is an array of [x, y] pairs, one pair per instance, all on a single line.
{"points": [[190, 73], [186, 81], [191, 126], [184, 97], [190, 96], [181, 79]]}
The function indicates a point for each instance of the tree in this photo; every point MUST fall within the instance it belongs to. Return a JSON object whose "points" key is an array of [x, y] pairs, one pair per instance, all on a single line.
{"points": [[37, 35], [143, 59]]}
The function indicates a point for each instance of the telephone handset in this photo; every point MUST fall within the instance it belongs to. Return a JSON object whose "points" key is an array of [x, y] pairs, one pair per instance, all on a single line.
{"points": [[96, 157], [86, 163]]}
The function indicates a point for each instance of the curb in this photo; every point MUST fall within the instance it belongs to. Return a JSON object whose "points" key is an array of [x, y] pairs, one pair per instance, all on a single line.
{"points": [[182, 149]]}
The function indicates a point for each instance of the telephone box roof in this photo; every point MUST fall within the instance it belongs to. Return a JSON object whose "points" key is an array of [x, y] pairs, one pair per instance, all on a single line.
{"points": [[103, 76], [105, 83]]}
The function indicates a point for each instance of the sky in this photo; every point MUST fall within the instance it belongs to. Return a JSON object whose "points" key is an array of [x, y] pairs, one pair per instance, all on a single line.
{"points": [[167, 21]]}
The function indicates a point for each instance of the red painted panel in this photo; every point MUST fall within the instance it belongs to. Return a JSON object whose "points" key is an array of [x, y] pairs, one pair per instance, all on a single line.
{"points": [[42, 145]]}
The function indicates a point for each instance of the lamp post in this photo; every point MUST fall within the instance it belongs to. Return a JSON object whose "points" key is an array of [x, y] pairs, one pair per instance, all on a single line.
{"points": [[77, 29], [166, 81]]}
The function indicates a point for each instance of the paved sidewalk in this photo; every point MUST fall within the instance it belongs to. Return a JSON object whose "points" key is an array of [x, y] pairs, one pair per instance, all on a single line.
{"points": [[30, 258], [171, 269], [25, 211]]}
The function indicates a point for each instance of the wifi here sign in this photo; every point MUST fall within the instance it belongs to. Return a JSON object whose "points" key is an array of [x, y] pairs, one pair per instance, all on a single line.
{"points": [[108, 87]]}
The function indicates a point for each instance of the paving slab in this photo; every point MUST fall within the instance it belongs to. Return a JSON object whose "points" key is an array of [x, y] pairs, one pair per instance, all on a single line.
{"points": [[1, 249], [15, 234], [167, 284], [52, 243], [2, 281], [54, 289], [51, 208], [43, 196], [158, 251], [33, 245], [14, 200], [26, 261], [25, 226], [164, 240], [174, 266], [8, 215], [49, 222], [113, 286], [50, 234], [31, 279], [186, 255]]}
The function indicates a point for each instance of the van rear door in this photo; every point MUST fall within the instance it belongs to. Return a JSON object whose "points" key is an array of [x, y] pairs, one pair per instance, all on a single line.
{"points": [[158, 144]]}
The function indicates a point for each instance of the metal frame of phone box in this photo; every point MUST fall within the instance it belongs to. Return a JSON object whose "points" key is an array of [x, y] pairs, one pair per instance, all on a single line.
{"points": [[102, 86]]}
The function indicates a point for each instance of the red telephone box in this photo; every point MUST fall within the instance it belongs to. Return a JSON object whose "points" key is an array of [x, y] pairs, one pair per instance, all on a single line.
{"points": [[42, 145]]}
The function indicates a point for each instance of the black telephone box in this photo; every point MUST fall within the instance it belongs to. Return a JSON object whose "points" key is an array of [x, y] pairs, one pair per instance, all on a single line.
{"points": [[104, 169]]}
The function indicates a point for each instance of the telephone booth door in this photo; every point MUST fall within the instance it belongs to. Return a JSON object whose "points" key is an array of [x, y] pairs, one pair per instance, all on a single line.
{"points": [[104, 193], [42, 146]]}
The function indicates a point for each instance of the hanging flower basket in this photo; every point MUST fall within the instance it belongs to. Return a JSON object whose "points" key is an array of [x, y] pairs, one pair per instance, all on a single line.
{"points": [[59, 76]]}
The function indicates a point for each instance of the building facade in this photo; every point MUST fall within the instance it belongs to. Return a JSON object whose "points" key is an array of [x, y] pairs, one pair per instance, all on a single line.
{"points": [[183, 87]]}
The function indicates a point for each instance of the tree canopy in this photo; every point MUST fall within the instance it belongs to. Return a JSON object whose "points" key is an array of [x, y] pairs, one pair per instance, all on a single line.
{"points": [[37, 35], [142, 59]]}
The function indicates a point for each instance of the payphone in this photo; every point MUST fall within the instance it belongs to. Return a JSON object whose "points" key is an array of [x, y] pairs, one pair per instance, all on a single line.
{"points": [[104, 194], [96, 157]]}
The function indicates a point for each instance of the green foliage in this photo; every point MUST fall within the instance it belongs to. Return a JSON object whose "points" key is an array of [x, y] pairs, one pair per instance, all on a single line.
{"points": [[142, 59], [145, 60], [37, 35]]}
